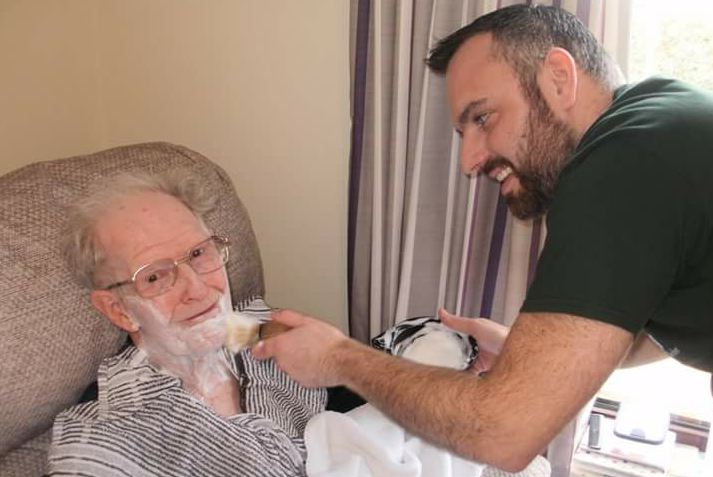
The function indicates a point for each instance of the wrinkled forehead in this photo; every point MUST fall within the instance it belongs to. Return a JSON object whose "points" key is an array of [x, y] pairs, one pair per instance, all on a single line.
{"points": [[148, 226]]}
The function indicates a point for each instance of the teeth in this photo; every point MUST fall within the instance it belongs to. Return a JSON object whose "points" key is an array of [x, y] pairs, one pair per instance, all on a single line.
{"points": [[503, 174]]}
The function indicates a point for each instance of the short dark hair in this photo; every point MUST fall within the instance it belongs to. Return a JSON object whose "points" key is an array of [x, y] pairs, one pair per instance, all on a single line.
{"points": [[523, 34]]}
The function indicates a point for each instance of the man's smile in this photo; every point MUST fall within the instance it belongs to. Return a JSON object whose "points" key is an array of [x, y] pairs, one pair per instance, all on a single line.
{"points": [[503, 174]]}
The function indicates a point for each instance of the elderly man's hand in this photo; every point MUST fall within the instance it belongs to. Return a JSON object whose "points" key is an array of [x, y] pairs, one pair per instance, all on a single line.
{"points": [[489, 335], [306, 351]]}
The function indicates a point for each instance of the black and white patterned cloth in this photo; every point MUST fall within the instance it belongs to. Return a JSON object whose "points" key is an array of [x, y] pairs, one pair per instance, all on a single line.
{"points": [[426, 340], [145, 423]]}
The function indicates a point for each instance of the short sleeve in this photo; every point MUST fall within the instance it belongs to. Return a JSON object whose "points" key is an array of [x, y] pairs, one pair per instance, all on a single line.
{"points": [[616, 237]]}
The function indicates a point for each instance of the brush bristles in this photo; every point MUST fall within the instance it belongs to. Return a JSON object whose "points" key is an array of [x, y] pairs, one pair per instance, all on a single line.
{"points": [[241, 331]]}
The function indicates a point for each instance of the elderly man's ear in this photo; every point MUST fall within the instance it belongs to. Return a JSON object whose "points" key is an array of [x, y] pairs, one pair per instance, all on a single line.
{"points": [[110, 306]]}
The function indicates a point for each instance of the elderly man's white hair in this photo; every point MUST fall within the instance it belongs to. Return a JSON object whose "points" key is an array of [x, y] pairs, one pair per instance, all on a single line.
{"points": [[84, 256]]}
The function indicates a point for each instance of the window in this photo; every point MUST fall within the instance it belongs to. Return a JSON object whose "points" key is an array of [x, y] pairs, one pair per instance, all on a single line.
{"points": [[675, 39], [671, 39], [685, 391]]}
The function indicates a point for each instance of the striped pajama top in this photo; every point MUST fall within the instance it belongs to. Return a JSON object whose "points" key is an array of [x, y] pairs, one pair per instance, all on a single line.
{"points": [[144, 423]]}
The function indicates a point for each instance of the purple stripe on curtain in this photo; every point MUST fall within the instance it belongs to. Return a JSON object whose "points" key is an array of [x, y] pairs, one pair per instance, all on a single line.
{"points": [[355, 159], [534, 250], [557, 3], [583, 7], [469, 257], [496, 248]]}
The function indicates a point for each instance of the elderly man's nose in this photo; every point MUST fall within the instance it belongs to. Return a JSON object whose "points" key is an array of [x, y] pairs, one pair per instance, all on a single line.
{"points": [[192, 282]]}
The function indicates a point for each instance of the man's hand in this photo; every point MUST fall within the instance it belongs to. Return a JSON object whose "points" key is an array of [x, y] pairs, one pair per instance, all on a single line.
{"points": [[489, 335], [306, 352]]}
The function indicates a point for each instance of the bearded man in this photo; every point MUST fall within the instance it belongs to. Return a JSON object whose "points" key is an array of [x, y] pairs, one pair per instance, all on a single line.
{"points": [[175, 402], [626, 273]]}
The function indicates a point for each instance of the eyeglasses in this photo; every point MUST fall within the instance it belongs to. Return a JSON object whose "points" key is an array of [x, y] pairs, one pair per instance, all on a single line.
{"points": [[158, 277]]}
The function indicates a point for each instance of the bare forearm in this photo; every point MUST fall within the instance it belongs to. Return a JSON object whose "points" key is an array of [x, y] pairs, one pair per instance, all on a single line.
{"points": [[454, 409], [549, 368]]}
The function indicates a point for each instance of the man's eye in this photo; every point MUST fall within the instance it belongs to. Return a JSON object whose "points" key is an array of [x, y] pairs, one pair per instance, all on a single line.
{"points": [[481, 119], [196, 252], [151, 278]]}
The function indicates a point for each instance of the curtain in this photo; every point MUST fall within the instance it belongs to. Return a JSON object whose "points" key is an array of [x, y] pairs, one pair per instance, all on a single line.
{"points": [[421, 234]]}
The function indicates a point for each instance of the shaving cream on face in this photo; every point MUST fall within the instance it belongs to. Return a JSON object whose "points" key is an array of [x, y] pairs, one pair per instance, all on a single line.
{"points": [[160, 337], [194, 354]]}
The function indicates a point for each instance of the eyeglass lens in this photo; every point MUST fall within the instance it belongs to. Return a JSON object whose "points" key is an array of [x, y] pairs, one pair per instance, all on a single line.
{"points": [[159, 276]]}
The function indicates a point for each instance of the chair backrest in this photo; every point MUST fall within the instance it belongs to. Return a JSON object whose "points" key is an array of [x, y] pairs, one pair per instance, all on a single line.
{"points": [[51, 339]]}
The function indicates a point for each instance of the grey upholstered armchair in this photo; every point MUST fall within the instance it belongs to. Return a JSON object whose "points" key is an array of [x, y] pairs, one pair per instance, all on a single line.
{"points": [[51, 339]]}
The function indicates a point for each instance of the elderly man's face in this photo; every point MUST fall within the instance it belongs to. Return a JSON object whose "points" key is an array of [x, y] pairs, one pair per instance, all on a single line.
{"points": [[186, 319]]}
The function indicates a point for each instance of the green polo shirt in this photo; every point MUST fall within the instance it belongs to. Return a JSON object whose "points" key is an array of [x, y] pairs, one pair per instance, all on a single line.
{"points": [[630, 229]]}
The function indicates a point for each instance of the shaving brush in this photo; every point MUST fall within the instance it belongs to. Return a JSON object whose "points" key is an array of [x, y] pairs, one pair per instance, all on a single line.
{"points": [[244, 330]]}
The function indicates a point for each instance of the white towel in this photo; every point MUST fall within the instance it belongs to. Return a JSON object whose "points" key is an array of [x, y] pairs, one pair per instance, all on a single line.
{"points": [[366, 443]]}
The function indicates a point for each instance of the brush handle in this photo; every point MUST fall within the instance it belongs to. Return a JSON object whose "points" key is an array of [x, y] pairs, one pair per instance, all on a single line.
{"points": [[272, 328]]}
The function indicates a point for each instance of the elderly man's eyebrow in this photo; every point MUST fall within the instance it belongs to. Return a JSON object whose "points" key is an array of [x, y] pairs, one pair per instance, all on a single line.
{"points": [[467, 111]]}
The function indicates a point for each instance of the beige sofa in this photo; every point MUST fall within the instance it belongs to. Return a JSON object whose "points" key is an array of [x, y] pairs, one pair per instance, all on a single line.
{"points": [[51, 339]]}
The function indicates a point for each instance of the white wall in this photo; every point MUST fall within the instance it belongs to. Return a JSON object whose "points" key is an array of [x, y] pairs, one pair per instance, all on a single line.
{"points": [[259, 87]]}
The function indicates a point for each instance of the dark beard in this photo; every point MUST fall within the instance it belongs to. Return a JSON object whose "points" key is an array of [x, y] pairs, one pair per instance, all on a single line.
{"points": [[548, 143]]}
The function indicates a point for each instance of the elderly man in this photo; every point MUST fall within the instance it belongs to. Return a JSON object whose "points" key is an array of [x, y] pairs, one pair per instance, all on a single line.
{"points": [[624, 172], [176, 402]]}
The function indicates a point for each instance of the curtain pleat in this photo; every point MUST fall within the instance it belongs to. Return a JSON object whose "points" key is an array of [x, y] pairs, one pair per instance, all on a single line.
{"points": [[359, 42]]}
